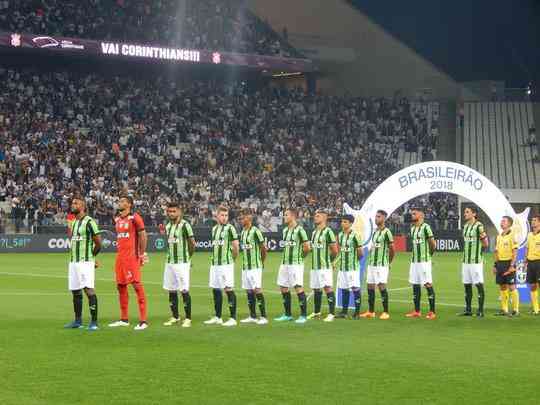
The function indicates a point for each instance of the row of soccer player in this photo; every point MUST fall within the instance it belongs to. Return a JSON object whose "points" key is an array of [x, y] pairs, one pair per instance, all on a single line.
{"points": [[328, 253]]}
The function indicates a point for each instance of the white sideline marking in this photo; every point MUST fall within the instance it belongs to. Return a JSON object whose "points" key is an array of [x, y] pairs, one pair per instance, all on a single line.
{"points": [[3, 273]]}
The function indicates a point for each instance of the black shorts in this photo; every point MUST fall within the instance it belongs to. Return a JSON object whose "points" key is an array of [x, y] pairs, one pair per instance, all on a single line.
{"points": [[533, 272], [502, 266]]}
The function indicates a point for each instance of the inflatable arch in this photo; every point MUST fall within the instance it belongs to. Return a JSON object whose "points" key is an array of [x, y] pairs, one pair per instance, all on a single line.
{"points": [[440, 177]]}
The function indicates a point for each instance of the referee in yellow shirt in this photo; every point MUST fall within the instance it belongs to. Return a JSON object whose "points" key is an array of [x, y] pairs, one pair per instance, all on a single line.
{"points": [[505, 267], [533, 261]]}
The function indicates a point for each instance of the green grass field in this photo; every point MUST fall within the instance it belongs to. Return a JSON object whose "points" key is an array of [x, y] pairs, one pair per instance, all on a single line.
{"points": [[450, 360]]}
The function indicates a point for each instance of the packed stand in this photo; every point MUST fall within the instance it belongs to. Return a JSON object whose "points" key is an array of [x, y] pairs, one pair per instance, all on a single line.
{"points": [[201, 142], [201, 24], [441, 212]]}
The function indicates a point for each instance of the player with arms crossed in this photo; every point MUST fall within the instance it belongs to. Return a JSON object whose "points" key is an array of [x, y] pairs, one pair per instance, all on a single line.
{"points": [[291, 271], [379, 259], [131, 238], [180, 248], [85, 246], [348, 278], [253, 256], [472, 267], [533, 262], [324, 250], [225, 248], [420, 272], [504, 267]]}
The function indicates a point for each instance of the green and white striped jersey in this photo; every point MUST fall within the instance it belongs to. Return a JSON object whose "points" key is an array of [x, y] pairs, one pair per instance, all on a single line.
{"points": [[82, 244], [348, 245], [293, 241], [250, 243], [321, 239], [420, 236], [472, 244], [379, 254], [222, 238], [178, 236]]}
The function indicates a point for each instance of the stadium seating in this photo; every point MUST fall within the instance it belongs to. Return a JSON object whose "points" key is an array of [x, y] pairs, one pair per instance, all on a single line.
{"points": [[200, 142], [425, 118], [496, 137], [201, 24]]}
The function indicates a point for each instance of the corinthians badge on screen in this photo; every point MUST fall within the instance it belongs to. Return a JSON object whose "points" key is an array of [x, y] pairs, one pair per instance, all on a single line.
{"points": [[216, 58], [16, 40]]}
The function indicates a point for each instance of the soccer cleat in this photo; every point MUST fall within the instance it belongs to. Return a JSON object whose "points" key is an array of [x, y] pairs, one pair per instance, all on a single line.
{"points": [[230, 322], [93, 326], [186, 323], [171, 322], [329, 318], [74, 325], [514, 313], [249, 320], [367, 314], [500, 313], [414, 314], [262, 321], [341, 315], [356, 315], [314, 315], [214, 321], [465, 313], [479, 314], [117, 324], [431, 315], [384, 316], [301, 319], [283, 318], [141, 326]]}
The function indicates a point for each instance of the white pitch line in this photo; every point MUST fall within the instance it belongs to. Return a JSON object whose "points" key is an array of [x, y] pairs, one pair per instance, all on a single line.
{"points": [[4, 273], [194, 286]]}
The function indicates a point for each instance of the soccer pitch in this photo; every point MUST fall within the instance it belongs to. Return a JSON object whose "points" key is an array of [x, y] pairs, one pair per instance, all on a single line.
{"points": [[406, 361]]}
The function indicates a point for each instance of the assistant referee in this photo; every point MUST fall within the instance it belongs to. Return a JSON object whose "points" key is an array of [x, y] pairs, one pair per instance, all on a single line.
{"points": [[533, 261]]}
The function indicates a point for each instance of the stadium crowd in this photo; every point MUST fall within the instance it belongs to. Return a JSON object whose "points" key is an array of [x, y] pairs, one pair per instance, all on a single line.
{"points": [[199, 24], [200, 142]]}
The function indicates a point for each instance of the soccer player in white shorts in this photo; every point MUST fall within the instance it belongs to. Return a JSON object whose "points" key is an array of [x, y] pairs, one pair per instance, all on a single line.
{"points": [[253, 250], [423, 247], [472, 266], [324, 249], [85, 246], [225, 248], [348, 278], [291, 272], [180, 248], [379, 259]]}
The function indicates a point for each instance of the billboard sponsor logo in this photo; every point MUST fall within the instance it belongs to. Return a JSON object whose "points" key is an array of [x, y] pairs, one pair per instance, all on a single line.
{"points": [[16, 242], [45, 42], [159, 243], [59, 243], [203, 244], [448, 245], [216, 58], [521, 273], [65, 44]]}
